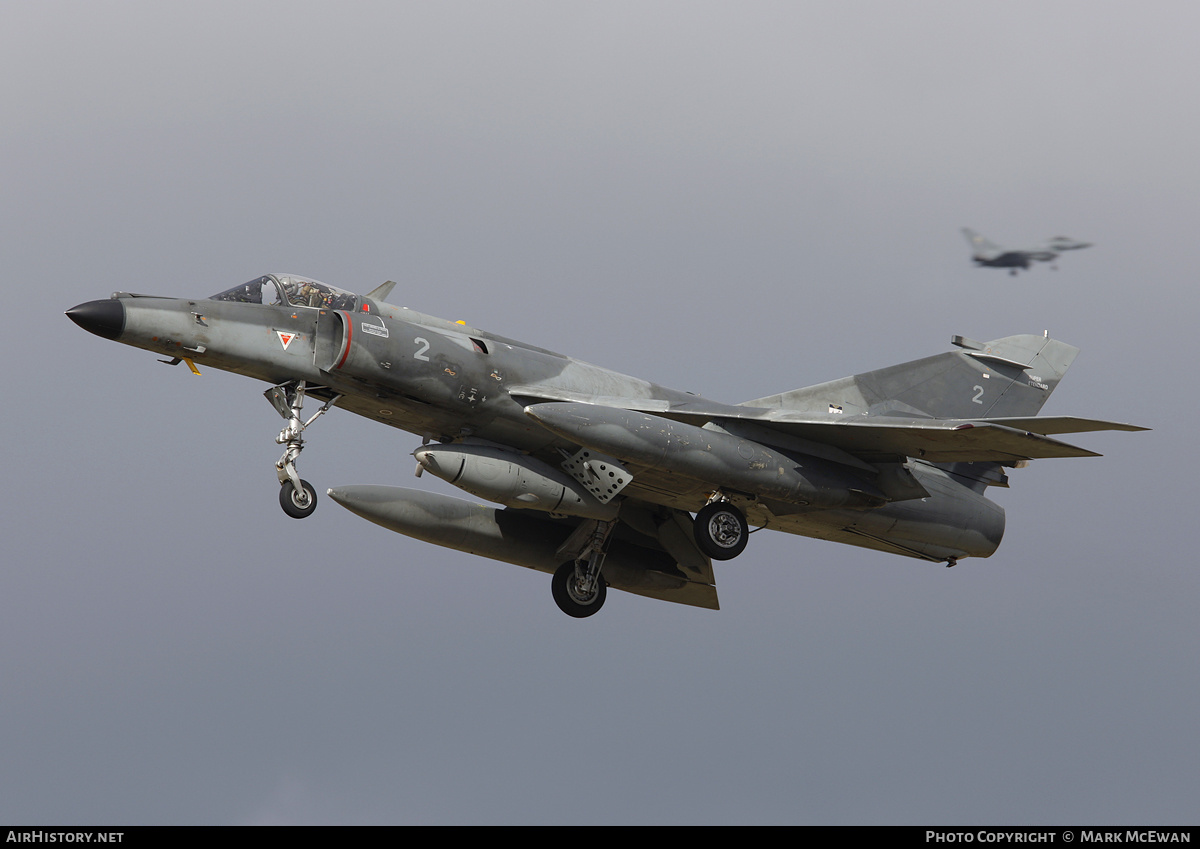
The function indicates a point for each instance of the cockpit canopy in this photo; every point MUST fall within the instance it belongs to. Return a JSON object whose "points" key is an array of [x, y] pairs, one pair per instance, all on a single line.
{"points": [[291, 290]]}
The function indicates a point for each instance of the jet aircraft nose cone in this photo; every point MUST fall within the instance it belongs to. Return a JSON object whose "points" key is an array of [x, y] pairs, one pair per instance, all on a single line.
{"points": [[104, 318]]}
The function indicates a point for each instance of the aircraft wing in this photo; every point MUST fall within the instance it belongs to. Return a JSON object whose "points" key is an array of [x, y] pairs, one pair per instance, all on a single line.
{"points": [[538, 394], [936, 440], [872, 438], [684, 576], [884, 438]]}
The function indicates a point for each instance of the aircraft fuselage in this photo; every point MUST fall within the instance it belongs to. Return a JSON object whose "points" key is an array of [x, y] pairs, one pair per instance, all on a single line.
{"points": [[597, 473], [448, 382]]}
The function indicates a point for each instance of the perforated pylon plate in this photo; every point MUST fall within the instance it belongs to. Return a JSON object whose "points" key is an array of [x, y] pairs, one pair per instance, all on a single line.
{"points": [[602, 476]]}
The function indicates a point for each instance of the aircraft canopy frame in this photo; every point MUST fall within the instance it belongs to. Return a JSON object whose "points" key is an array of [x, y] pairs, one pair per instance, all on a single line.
{"points": [[292, 290]]}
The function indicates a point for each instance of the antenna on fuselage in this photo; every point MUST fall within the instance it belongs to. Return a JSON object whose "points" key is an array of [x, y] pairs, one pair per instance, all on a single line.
{"points": [[382, 291]]}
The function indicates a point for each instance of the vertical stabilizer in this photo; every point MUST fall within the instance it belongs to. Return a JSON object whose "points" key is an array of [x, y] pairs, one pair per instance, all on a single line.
{"points": [[981, 248], [1007, 377]]}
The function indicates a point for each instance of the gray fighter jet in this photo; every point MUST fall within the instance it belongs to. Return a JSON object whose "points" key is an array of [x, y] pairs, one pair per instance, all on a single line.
{"points": [[990, 254], [597, 473]]}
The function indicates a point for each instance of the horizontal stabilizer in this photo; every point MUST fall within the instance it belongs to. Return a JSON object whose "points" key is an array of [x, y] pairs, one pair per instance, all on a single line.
{"points": [[1062, 424]]}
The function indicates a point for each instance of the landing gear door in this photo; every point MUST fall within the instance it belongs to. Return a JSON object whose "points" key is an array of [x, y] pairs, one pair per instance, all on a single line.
{"points": [[333, 336], [279, 401]]}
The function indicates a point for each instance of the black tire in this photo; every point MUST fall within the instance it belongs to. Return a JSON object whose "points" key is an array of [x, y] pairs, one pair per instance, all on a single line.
{"points": [[563, 588], [721, 530], [295, 506]]}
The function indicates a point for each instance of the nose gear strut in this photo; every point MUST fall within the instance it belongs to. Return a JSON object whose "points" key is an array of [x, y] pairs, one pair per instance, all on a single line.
{"points": [[296, 496]]}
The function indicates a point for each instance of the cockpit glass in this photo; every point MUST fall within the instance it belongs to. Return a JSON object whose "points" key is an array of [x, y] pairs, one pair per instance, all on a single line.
{"points": [[290, 289], [261, 290], [304, 292]]}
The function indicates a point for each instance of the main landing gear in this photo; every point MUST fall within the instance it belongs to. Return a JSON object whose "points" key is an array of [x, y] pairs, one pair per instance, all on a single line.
{"points": [[578, 587], [720, 529], [297, 497], [579, 590], [570, 594]]}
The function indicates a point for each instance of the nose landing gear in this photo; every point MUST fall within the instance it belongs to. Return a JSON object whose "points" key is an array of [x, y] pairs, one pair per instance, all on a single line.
{"points": [[296, 496], [297, 503]]}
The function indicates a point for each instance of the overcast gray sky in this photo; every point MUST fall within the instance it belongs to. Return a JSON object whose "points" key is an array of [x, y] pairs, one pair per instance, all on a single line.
{"points": [[734, 199]]}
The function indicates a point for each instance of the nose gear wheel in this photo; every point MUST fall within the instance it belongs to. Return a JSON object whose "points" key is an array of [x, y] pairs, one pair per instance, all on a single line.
{"points": [[297, 504]]}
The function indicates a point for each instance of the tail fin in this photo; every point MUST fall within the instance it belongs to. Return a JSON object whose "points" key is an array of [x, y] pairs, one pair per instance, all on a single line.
{"points": [[981, 247], [1007, 377]]}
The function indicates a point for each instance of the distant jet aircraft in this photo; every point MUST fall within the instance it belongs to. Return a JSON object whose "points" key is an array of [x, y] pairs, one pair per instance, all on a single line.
{"points": [[594, 469], [992, 255]]}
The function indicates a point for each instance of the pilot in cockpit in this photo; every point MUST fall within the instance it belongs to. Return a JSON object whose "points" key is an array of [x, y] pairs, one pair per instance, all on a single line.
{"points": [[310, 294], [289, 290]]}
